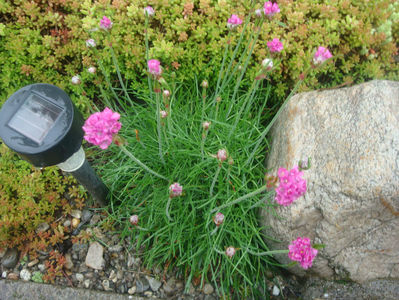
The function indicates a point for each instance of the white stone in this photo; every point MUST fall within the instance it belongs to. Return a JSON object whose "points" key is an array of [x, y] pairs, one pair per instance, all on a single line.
{"points": [[41, 267], [154, 283], [208, 289], [276, 291], [4, 274], [132, 290], [25, 275], [94, 257], [86, 283], [76, 213], [79, 277], [352, 199]]}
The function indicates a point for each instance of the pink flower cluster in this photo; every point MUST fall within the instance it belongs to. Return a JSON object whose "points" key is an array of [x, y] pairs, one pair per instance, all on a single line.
{"points": [[218, 219], [134, 219], [221, 155], [230, 251], [321, 55], [301, 251], [275, 45], [233, 22], [154, 67], [175, 190], [270, 9], [292, 186], [149, 11], [100, 128], [105, 23]]}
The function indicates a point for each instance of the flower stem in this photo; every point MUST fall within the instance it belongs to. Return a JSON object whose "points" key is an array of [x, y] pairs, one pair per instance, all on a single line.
{"points": [[214, 180], [119, 75], [269, 253], [245, 197], [146, 50], [130, 155], [159, 127], [167, 209]]}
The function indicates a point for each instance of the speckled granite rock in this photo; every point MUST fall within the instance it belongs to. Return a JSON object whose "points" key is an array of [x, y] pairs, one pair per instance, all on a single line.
{"points": [[352, 203]]}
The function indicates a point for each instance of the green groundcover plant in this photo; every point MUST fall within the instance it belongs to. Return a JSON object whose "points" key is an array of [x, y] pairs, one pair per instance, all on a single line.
{"points": [[187, 173]]}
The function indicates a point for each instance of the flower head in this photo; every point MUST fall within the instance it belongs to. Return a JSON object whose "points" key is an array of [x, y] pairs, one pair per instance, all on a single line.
{"points": [[258, 13], [321, 55], [275, 45], [163, 114], [166, 93], [100, 128], [301, 251], [75, 79], [105, 23], [218, 219], [291, 187], [91, 43], [175, 190], [267, 63], [233, 22], [154, 67], [149, 11], [204, 84], [134, 219], [222, 155], [206, 125], [270, 9], [92, 70], [230, 251]]}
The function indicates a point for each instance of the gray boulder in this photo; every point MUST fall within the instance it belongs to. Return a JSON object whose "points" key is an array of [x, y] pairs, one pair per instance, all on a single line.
{"points": [[352, 199]]}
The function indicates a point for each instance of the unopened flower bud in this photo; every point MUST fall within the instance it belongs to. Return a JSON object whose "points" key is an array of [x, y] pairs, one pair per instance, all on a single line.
{"points": [[166, 93], [91, 43], [258, 13], [267, 63], [175, 190], [163, 114], [206, 125], [75, 79], [231, 161], [218, 99], [230, 251], [92, 70], [204, 84], [222, 155], [149, 11], [218, 219], [134, 219]]}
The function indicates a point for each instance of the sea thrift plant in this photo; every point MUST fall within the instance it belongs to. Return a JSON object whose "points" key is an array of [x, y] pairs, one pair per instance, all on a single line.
{"points": [[163, 114], [270, 9], [100, 128], [292, 186], [321, 55], [218, 219], [206, 125], [149, 11], [134, 220], [92, 70], [267, 63], [166, 93], [275, 45], [221, 155], [230, 251], [154, 67], [105, 23], [233, 22], [301, 251], [175, 190]]}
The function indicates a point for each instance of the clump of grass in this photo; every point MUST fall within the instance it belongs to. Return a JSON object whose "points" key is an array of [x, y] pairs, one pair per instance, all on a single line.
{"points": [[220, 167]]}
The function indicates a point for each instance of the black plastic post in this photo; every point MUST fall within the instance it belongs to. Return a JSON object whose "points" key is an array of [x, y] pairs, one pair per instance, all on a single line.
{"points": [[87, 177]]}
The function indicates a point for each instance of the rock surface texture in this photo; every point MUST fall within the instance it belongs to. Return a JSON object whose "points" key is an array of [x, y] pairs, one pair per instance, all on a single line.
{"points": [[352, 199]]}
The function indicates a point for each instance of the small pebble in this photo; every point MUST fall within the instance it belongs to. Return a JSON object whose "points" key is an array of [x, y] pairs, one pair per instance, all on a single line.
{"points": [[67, 223], [325, 295], [79, 277], [33, 262], [75, 222], [4, 274], [41, 267], [148, 294], [42, 227], [76, 213], [25, 275], [208, 289], [13, 276], [86, 283], [132, 290], [276, 291], [68, 261]]}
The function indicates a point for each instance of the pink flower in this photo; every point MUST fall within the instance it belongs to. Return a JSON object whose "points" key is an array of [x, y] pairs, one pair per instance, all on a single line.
{"points": [[100, 128], [166, 93], [206, 125], [233, 22], [149, 11], [270, 9], [154, 67], [230, 251], [218, 219], [175, 190], [321, 55], [105, 23], [91, 43], [134, 219], [300, 250], [163, 114], [76, 79], [292, 186], [222, 155], [275, 45]]}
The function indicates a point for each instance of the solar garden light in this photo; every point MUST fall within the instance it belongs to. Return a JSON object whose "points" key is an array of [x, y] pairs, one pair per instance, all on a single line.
{"points": [[42, 125]]}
